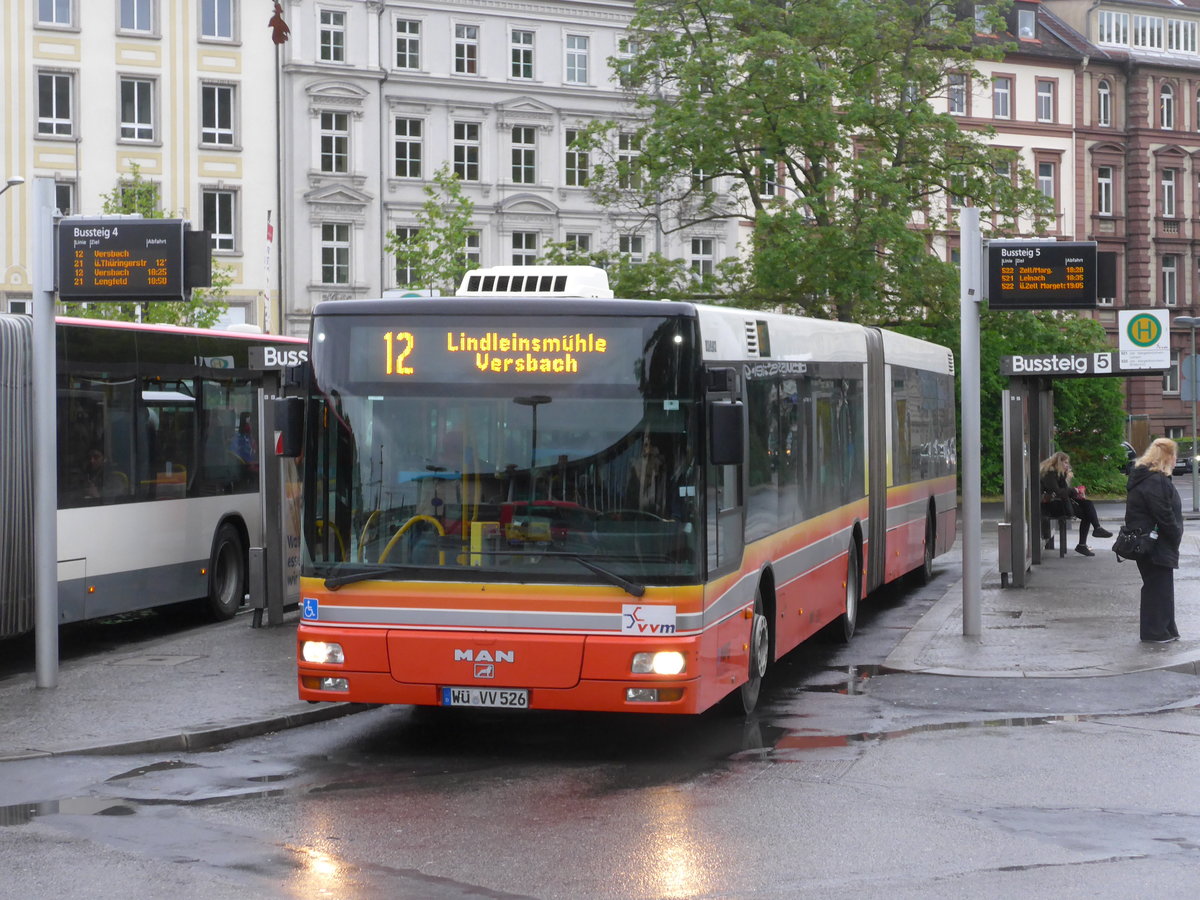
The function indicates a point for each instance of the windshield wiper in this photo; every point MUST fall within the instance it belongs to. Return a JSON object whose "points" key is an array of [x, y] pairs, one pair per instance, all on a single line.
{"points": [[612, 578], [333, 582]]}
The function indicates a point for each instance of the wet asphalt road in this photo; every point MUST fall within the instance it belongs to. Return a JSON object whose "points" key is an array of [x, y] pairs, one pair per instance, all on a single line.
{"points": [[849, 782]]}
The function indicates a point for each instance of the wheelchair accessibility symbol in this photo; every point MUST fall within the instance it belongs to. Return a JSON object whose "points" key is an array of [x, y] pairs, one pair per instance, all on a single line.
{"points": [[311, 610]]}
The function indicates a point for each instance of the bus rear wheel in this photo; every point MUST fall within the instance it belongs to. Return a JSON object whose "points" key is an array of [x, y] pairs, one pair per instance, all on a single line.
{"points": [[925, 573], [848, 620], [226, 573]]}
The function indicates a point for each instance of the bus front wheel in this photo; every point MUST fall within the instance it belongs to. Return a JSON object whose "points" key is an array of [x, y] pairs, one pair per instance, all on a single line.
{"points": [[226, 573], [760, 654]]}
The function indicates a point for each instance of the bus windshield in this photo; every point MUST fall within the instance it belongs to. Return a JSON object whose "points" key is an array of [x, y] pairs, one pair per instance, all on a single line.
{"points": [[504, 448]]}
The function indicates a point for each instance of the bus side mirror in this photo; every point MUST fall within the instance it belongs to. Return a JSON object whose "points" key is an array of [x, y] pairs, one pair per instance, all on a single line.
{"points": [[725, 433], [289, 425]]}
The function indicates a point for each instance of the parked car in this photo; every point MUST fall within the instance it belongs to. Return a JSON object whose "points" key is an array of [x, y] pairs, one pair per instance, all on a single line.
{"points": [[1130, 455], [1183, 465]]}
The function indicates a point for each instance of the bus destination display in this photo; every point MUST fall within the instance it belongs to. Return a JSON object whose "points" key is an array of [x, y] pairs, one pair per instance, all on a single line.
{"points": [[406, 351], [120, 259], [1041, 275]]}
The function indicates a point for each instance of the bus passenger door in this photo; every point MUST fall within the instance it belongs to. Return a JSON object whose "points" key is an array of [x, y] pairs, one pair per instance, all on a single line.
{"points": [[877, 448], [725, 451]]}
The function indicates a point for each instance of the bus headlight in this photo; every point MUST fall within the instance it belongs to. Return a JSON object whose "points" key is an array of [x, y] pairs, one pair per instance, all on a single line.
{"points": [[322, 652], [662, 662]]}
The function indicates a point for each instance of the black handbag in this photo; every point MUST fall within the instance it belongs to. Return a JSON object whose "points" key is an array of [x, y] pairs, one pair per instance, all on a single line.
{"points": [[1133, 543]]}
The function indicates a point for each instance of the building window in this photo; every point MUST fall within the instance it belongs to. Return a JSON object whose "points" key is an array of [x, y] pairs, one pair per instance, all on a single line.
{"points": [[332, 36], [627, 51], [578, 162], [64, 197], [1045, 179], [408, 44], [1104, 104], [471, 247], [629, 147], [632, 246], [216, 19], [55, 12], [524, 155], [1170, 280], [1167, 181], [137, 15], [406, 271], [335, 253], [335, 142], [1148, 32], [702, 256], [982, 23], [466, 49], [1027, 24], [1045, 101], [1181, 36], [466, 150], [577, 59], [522, 54], [1166, 107], [219, 218], [1104, 190], [1113, 28], [217, 114], [768, 178], [1002, 97], [137, 109], [524, 248], [55, 90], [579, 241], [1171, 383], [957, 90], [408, 148]]}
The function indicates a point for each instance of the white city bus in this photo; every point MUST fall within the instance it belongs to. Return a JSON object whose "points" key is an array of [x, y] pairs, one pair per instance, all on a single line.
{"points": [[157, 460]]}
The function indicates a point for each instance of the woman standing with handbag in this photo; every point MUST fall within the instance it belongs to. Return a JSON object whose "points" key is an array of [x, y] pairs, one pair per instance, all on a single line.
{"points": [[1153, 504]]}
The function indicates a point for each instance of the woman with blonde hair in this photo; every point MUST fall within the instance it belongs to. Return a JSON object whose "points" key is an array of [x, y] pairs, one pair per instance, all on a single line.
{"points": [[1153, 504], [1059, 498]]}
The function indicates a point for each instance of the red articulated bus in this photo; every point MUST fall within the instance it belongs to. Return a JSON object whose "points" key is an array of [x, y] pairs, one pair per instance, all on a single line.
{"points": [[535, 496]]}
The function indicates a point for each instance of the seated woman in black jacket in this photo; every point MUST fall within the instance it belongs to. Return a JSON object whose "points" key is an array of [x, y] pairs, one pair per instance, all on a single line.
{"points": [[1056, 478]]}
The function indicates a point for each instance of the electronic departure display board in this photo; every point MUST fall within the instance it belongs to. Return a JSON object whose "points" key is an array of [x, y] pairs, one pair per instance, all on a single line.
{"points": [[120, 259], [1042, 275]]}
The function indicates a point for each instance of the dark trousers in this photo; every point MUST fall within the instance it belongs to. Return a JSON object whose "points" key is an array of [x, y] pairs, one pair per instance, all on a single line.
{"points": [[1088, 519], [1158, 601]]}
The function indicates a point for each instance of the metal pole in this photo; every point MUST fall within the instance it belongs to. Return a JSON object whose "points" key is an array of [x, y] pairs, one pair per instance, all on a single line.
{"points": [[970, 267], [1192, 461], [45, 484]]}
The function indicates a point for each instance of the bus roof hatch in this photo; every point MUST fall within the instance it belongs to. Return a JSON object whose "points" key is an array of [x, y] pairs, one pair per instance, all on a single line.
{"points": [[536, 281]]}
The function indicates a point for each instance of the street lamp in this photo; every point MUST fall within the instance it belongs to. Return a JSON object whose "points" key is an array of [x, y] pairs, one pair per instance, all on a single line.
{"points": [[13, 181], [533, 402], [1190, 323]]}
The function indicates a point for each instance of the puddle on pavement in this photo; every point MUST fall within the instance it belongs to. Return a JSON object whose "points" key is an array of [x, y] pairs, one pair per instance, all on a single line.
{"points": [[164, 766], [24, 813], [845, 680]]}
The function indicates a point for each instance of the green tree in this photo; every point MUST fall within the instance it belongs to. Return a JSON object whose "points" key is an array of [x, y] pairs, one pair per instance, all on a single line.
{"points": [[135, 195], [821, 114], [1089, 412], [436, 256]]}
